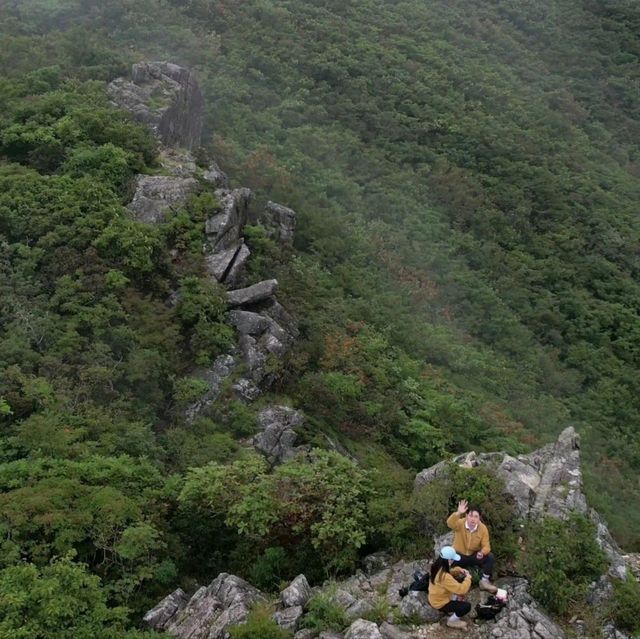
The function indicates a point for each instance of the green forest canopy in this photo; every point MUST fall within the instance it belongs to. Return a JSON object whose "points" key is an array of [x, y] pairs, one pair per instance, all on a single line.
{"points": [[465, 276]]}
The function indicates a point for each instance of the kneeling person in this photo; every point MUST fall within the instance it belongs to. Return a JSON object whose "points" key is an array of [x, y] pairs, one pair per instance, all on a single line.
{"points": [[445, 587], [471, 542]]}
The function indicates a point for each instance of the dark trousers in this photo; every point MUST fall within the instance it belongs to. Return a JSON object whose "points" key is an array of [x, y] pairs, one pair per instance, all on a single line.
{"points": [[460, 608], [486, 563]]}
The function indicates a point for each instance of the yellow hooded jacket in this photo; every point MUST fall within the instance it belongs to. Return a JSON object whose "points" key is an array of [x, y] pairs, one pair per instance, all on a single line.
{"points": [[446, 585], [466, 542]]}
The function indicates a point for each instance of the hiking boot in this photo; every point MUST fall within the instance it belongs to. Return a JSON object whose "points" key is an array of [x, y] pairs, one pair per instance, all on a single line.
{"points": [[456, 623], [487, 586]]}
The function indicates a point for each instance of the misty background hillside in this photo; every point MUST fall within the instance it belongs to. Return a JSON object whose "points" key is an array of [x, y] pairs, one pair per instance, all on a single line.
{"points": [[465, 275]]}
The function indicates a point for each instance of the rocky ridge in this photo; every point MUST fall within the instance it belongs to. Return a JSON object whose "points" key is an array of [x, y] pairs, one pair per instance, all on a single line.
{"points": [[546, 481], [168, 99]]}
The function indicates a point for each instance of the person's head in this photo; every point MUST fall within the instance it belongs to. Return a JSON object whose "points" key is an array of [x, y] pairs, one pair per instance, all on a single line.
{"points": [[474, 516], [446, 557]]}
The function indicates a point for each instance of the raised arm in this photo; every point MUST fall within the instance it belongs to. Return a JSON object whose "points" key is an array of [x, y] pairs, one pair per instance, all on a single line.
{"points": [[454, 518]]}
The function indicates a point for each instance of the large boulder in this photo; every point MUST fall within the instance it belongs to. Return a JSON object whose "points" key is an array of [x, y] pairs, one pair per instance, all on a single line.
{"points": [[362, 629], [156, 195], [253, 294], [297, 593], [277, 435], [167, 98], [224, 229], [210, 611], [214, 377], [279, 222]]}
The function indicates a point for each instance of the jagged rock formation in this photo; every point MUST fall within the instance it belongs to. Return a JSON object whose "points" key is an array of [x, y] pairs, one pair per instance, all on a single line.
{"points": [[167, 98], [279, 222], [547, 482], [276, 437], [207, 614], [156, 195]]}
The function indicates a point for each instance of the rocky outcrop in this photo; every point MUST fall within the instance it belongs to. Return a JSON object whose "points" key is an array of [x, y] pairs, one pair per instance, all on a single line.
{"points": [[521, 618], [167, 98], [209, 612], [215, 376], [546, 482], [297, 593], [279, 222], [156, 195], [260, 292], [277, 435]]}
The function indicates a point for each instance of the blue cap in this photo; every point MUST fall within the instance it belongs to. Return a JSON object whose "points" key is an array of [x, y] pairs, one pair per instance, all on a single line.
{"points": [[449, 552]]}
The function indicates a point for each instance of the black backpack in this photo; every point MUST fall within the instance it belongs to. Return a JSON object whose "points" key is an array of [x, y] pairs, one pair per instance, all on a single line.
{"points": [[420, 582], [490, 608]]}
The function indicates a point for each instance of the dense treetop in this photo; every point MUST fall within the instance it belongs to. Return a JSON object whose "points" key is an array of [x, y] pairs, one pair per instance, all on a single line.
{"points": [[465, 275]]}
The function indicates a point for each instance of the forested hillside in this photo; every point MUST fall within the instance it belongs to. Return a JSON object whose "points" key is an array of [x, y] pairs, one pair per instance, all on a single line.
{"points": [[465, 275]]}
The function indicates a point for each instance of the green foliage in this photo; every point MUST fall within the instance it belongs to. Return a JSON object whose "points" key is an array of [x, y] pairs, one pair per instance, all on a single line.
{"points": [[320, 502], [324, 612], [624, 605], [561, 560], [432, 504], [269, 569], [200, 310], [259, 625], [60, 601]]}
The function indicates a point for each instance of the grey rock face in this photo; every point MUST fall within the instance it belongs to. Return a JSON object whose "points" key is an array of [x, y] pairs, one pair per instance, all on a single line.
{"points": [[253, 294], [222, 367], [247, 323], [389, 631], [297, 593], [167, 98], [216, 176], [224, 229], [416, 607], [167, 609], [362, 629], [225, 602], [225, 264], [279, 222], [375, 562], [277, 437], [155, 195], [246, 390], [226, 252], [289, 617], [177, 162], [520, 618]]}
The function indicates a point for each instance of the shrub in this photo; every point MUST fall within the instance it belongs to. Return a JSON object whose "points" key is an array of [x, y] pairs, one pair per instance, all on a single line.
{"points": [[432, 504], [625, 605], [259, 625], [561, 560], [324, 612]]}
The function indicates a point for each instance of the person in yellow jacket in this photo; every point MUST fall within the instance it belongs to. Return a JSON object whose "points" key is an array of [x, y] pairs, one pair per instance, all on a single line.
{"points": [[471, 542], [447, 587]]}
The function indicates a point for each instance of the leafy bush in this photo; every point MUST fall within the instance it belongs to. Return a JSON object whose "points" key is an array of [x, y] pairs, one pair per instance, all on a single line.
{"points": [[259, 625], [324, 612], [625, 605], [60, 601], [433, 503], [320, 501], [561, 559]]}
